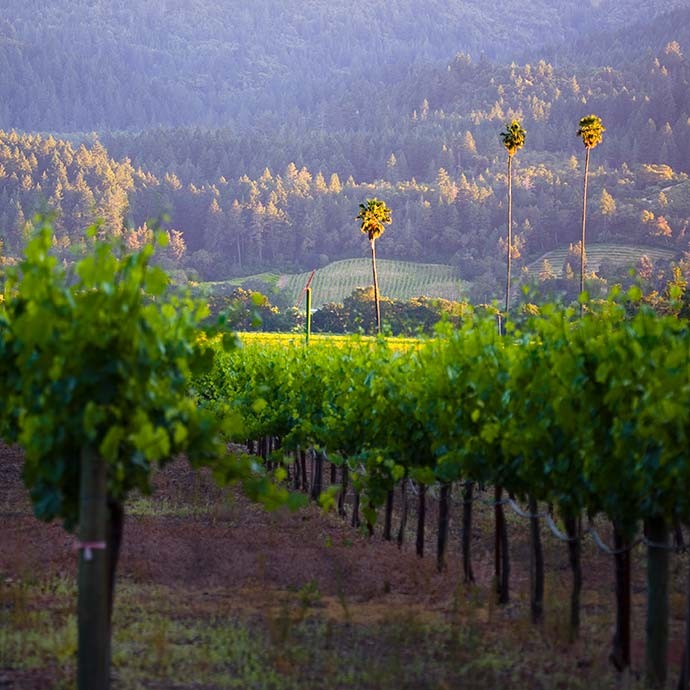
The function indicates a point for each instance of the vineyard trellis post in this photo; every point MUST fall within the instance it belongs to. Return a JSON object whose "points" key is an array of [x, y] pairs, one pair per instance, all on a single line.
{"points": [[657, 601], [308, 319], [684, 679], [467, 496], [92, 610]]}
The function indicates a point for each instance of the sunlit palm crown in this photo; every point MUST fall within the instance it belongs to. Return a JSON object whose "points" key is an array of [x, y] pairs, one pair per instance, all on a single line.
{"points": [[591, 130], [374, 214], [513, 137]]}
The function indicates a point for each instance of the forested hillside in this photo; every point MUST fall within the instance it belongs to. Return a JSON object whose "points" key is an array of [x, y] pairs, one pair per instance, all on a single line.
{"points": [[622, 46], [80, 65], [450, 117], [296, 218], [324, 106]]}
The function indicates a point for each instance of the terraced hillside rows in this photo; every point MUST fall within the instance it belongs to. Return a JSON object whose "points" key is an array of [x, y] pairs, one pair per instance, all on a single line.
{"points": [[407, 279], [398, 280], [333, 283], [619, 254]]}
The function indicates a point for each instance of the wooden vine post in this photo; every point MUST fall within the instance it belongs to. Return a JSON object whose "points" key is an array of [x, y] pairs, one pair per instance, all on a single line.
{"points": [[403, 516], [620, 652], [94, 416], [467, 498], [421, 521], [501, 555], [684, 679], [443, 524], [388, 515], [657, 602], [308, 319], [93, 667]]}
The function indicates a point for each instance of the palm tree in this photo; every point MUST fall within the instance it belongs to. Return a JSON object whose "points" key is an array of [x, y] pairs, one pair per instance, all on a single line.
{"points": [[591, 130], [513, 139], [374, 214]]}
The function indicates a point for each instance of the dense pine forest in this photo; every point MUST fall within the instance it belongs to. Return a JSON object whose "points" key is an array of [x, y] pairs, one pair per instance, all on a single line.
{"points": [[86, 65]]}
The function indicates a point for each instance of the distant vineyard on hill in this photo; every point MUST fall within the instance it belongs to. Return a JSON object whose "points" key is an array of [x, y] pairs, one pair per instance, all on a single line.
{"points": [[407, 279], [618, 254], [334, 282], [397, 279]]}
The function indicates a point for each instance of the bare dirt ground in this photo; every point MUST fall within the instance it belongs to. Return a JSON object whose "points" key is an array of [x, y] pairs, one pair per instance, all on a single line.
{"points": [[193, 554]]}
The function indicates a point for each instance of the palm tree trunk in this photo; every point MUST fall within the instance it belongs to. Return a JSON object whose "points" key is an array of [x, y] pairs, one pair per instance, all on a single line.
{"points": [[510, 231], [584, 223], [376, 287]]}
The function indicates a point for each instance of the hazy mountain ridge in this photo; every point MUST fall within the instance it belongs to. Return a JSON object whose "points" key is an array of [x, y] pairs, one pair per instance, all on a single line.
{"points": [[82, 65], [449, 117], [621, 47]]}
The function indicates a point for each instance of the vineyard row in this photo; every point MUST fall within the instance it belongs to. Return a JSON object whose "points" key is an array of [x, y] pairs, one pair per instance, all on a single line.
{"points": [[589, 416]]}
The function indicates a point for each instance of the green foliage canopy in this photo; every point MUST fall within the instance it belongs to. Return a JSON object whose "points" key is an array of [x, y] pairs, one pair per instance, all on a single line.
{"points": [[374, 216], [588, 413], [103, 356], [514, 137], [591, 130]]}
